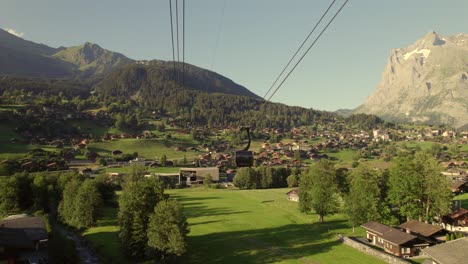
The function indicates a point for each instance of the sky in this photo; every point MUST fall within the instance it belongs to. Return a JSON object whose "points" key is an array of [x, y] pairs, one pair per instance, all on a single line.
{"points": [[250, 41]]}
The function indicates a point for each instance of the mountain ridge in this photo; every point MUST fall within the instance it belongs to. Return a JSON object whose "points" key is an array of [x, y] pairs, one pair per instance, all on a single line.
{"points": [[425, 82], [93, 64]]}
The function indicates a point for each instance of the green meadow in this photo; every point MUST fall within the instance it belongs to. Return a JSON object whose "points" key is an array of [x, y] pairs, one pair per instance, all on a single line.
{"points": [[248, 226]]}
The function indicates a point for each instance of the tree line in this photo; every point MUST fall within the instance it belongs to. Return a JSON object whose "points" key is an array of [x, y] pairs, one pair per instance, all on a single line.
{"points": [[412, 188]]}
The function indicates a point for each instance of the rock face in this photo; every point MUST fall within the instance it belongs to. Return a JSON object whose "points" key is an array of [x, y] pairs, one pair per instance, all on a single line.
{"points": [[426, 82]]}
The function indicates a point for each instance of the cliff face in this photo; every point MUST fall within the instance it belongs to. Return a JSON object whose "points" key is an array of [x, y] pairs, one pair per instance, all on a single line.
{"points": [[425, 82]]}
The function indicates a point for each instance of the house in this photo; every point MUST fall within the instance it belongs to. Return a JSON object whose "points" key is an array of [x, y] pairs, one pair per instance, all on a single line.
{"points": [[198, 174], [431, 234], [459, 187], [21, 234], [447, 164], [452, 252], [293, 195], [456, 221], [392, 240]]}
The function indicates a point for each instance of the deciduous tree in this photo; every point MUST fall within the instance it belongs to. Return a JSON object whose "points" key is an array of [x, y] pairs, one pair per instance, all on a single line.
{"points": [[167, 230]]}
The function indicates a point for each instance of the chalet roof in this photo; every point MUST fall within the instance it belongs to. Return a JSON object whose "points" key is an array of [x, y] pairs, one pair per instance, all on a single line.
{"points": [[421, 228], [390, 234], [458, 184], [397, 237], [376, 227], [294, 191], [22, 228], [452, 252]]}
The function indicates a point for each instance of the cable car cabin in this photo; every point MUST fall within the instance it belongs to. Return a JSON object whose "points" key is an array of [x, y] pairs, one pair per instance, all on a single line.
{"points": [[244, 158]]}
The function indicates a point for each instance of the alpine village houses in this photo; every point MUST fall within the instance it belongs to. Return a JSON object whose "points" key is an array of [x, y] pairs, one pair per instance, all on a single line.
{"points": [[405, 241]]}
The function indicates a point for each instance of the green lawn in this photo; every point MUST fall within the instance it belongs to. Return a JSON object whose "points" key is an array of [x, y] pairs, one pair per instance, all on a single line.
{"points": [[128, 169], [254, 226], [463, 198], [343, 155], [148, 148], [103, 238]]}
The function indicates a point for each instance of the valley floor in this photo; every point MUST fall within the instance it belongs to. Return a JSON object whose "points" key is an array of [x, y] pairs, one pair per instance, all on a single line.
{"points": [[246, 226]]}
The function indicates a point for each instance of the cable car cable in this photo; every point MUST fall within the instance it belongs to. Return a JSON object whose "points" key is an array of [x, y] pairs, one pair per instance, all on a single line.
{"points": [[172, 37], [310, 47], [300, 47]]}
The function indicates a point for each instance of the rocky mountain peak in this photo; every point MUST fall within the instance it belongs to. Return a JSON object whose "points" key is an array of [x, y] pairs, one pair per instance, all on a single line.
{"points": [[424, 82]]}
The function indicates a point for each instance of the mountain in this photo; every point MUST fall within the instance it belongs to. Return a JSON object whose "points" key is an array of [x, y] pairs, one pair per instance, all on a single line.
{"points": [[156, 79], [20, 57], [113, 73], [91, 59], [344, 112], [426, 82]]}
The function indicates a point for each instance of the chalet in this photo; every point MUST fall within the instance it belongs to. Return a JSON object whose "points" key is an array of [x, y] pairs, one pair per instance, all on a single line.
{"points": [[22, 234], [447, 164], [392, 240], [452, 252], [461, 164], [456, 221], [293, 195], [198, 174], [431, 234], [459, 187], [448, 134]]}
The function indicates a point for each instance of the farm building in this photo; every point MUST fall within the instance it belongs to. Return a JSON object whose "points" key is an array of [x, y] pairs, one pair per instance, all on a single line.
{"points": [[198, 174]]}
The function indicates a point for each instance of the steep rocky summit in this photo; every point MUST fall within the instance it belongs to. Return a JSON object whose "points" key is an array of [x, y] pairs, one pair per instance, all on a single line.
{"points": [[426, 82]]}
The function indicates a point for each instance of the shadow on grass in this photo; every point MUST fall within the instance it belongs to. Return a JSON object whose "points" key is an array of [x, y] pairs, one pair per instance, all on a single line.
{"points": [[271, 245]]}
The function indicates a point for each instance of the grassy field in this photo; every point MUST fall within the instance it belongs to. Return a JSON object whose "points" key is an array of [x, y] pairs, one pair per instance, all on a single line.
{"points": [[254, 226], [128, 169], [463, 198], [148, 148]]}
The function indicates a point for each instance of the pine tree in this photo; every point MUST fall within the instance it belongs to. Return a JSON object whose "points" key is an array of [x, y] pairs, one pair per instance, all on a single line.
{"points": [[167, 230]]}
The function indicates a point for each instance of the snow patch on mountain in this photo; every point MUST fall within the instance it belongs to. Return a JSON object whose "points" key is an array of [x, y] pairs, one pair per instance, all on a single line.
{"points": [[424, 52]]}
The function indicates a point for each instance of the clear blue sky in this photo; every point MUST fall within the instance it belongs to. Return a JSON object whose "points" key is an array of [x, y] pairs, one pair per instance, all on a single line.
{"points": [[255, 38]]}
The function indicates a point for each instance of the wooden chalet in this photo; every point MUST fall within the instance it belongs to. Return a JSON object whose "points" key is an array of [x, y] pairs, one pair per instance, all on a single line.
{"points": [[459, 187], [431, 234], [392, 240], [456, 221]]}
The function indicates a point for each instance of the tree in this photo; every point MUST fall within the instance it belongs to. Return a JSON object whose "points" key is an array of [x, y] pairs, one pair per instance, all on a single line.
{"points": [[417, 187], [167, 230], [8, 196], [66, 207], [163, 160], [319, 190], [80, 204], [366, 198], [86, 205], [293, 180], [208, 180], [246, 178], [136, 204]]}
